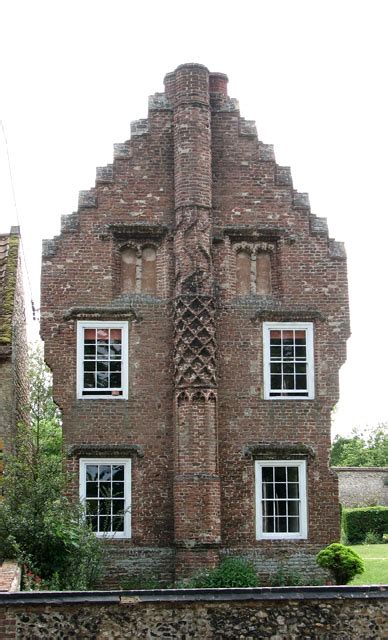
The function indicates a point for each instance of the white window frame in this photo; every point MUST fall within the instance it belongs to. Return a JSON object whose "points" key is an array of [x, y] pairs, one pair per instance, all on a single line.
{"points": [[302, 533], [308, 327], [90, 324], [83, 462]]}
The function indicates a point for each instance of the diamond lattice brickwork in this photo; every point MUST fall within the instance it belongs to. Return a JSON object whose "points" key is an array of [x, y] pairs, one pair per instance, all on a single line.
{"points": [[195, 351]]}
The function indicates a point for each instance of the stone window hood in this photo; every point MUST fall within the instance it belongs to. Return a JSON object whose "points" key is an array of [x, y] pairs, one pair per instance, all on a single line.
{"points": [[277, 450]]}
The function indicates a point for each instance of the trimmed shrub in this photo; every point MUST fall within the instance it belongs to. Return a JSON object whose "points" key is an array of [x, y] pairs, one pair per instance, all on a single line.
{"points": [[362, 520], [343, 563], [231, 573]]}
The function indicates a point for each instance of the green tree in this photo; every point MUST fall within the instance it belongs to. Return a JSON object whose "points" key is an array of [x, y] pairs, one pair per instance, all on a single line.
{"points": [[39, 526], [367, 448]]}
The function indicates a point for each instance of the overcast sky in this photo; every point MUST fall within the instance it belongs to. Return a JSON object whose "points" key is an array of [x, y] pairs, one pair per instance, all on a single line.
{"points": [[313, 74]]}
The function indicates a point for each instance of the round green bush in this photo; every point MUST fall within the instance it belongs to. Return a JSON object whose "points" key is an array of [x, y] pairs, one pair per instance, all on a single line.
{"points": [[343, 563]]}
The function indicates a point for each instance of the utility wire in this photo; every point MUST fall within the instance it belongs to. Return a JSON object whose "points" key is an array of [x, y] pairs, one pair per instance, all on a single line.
{"points": [[18, 219]]}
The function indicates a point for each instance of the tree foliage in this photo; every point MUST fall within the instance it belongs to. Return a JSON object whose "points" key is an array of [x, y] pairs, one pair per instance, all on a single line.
{"points": [[368, 448], [39, 526]]}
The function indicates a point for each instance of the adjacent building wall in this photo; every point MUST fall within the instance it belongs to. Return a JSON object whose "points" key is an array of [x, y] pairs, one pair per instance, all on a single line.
{"points": [[13, 340]]}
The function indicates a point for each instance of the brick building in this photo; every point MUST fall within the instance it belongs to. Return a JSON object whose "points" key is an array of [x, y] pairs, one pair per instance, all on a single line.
{"points": [[13, 343], [195, 317]]}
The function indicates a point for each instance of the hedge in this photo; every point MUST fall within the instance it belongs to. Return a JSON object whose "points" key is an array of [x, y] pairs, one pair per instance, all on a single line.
{"points": [[357, 522]]}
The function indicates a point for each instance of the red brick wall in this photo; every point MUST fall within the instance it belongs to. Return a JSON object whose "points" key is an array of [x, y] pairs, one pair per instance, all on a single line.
{"points": [[198, 176]]}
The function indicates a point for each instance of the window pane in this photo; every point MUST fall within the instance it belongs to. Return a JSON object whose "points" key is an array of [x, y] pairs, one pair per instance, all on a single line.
{"points": [[281, 507], [118, 507], [280, 474], [89, 381], [105, 489], [288, 352], [276, 382], [102, 366], [300, 367], [91, 472], [281, 490], [89, 335], [293, 474], [115, 380], [102, 334], [281, 525], [105, 507], [105, 471], [102, 380], [293, 525], [91, 489], [288, 382], [93, 523], [90, 351], [267, 490], [91, 507], [118, 472], [118, 523], [267, 474], [293, 508], [118, 489], [268, 525], [276, 352], [115, 351], [105, 523], [267, 506], [293, 490], [102, 351], [115, 336], [301, 381]]}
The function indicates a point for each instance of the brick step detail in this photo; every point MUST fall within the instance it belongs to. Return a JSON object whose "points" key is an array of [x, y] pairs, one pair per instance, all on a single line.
{"points": [[104, 174], [139, 127], [87, 200]]}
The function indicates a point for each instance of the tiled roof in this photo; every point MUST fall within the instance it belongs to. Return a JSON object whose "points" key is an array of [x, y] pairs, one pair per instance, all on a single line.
{"points": [[9, 252]]}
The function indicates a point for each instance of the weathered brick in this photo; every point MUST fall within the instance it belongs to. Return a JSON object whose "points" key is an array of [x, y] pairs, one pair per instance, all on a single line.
{"points": [[194, 183]]}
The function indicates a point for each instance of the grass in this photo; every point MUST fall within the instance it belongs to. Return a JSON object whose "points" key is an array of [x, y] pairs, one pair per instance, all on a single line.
{"points": [[375, 557]]}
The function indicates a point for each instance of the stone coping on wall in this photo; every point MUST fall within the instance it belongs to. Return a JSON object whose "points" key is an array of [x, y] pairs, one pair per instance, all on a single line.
{"points": [[360, 469], [29, 598]]}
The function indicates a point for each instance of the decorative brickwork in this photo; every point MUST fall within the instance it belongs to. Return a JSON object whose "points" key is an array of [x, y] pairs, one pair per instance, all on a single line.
{"points": [[195, 352], [195, 237]]}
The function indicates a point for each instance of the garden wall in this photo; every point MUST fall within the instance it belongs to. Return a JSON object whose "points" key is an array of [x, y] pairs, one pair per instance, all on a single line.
{"points": [[281, 613], [362, 486]]}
